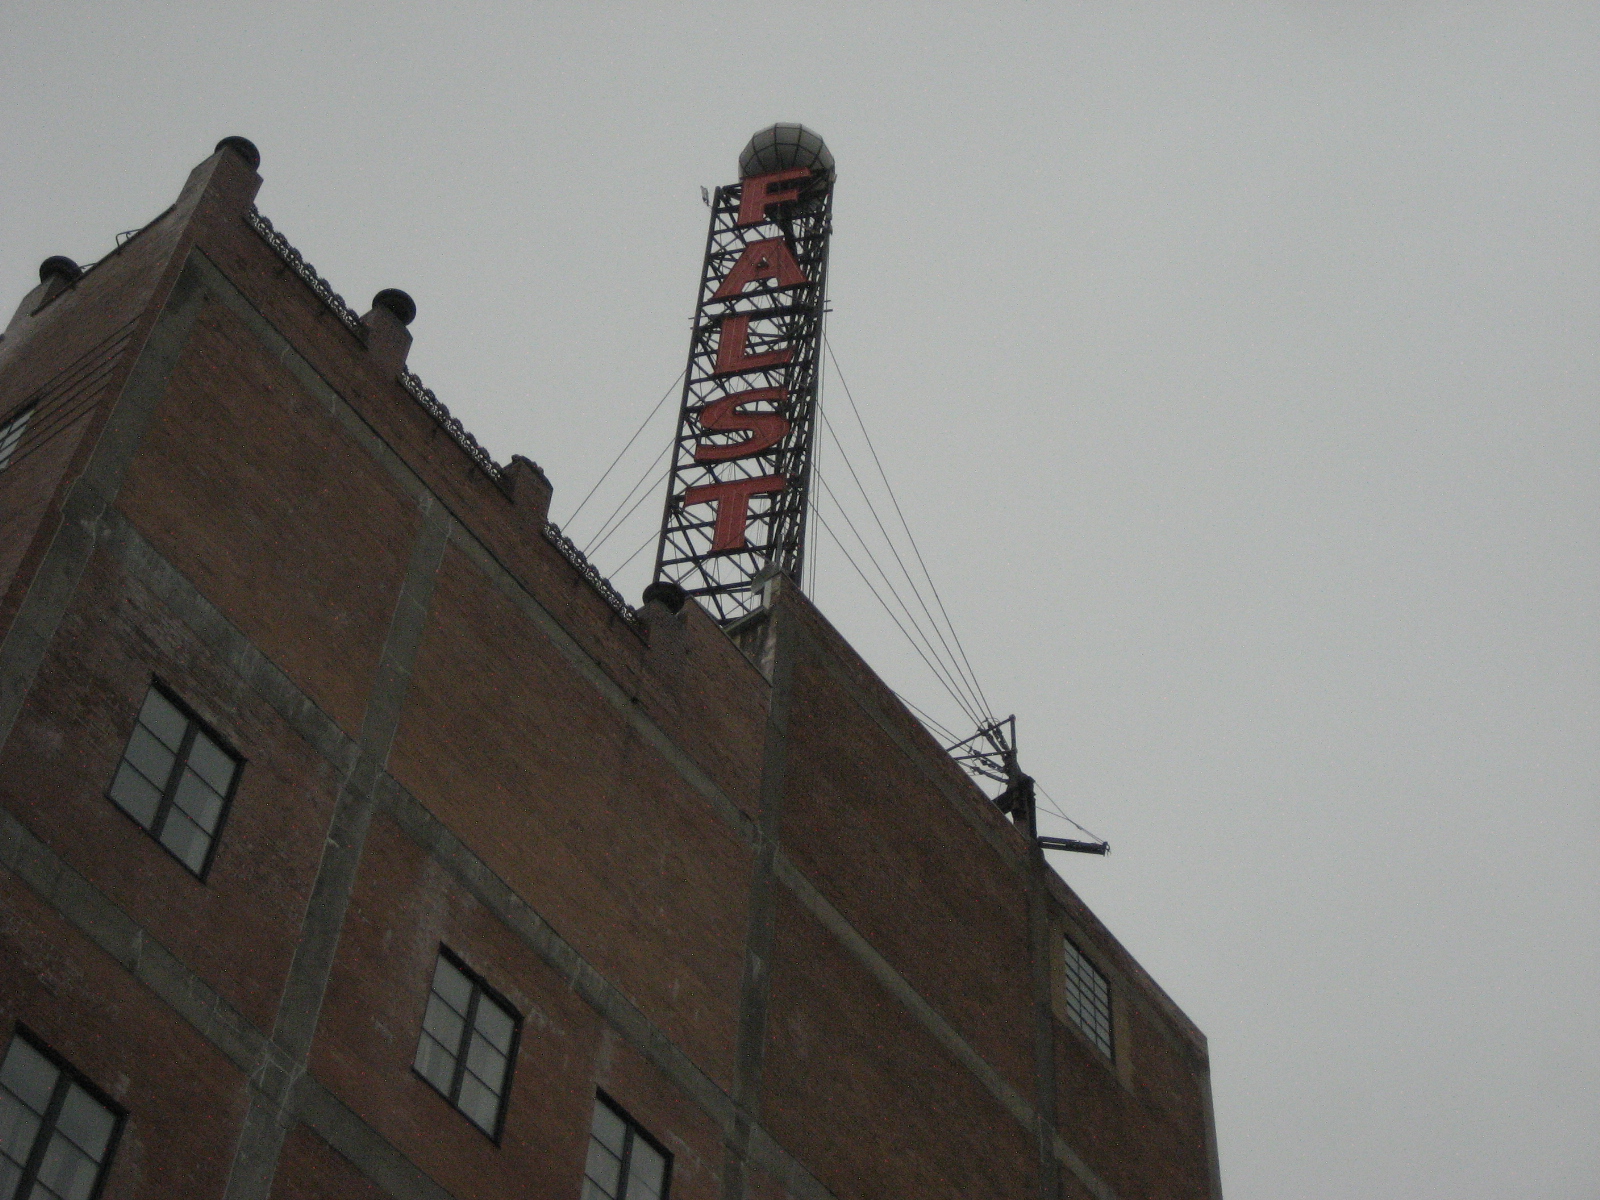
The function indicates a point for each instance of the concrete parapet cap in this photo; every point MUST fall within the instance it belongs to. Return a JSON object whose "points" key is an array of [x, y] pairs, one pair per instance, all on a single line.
{"points": [[529, 487]]}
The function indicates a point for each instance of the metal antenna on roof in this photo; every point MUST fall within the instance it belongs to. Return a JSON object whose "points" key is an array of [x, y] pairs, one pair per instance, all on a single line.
{"points": [[991, 753]]}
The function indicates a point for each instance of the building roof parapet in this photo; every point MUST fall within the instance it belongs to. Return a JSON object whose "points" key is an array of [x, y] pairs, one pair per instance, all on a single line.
{"points": [[435, 408], [348, 316], [451, 424], [608, 592]]}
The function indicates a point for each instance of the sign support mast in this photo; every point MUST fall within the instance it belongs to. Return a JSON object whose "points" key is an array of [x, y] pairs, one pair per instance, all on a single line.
{"points": [[738, 493]]}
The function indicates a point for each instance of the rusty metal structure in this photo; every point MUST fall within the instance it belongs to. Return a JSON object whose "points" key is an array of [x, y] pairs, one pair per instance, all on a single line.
{"points": [[737, 492]]}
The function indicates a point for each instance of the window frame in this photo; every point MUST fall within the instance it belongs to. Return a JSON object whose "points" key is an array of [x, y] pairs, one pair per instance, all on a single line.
{"points": [[24, 413], [47, 1123], [197, 724], [1069, 944], [480, 988], [634, 1129]]}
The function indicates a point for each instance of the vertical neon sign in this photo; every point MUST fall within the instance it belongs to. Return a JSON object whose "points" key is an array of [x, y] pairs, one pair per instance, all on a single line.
{"points": [[741, 467]]}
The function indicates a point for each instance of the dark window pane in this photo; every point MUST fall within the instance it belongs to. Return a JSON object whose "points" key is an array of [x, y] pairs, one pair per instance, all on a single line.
{"points": [[197, 799], [475, 1086], [622, 1164], [609, 1129], [10, 436], [1088, 996], [135, 796], [153, 760], [442, 1022], [436, 1064], [487, 1063], [163, 719], [185, 839], [213, 763], [29, 1075], [86, 1121], [495, 1024], [18, 1128], [41, 1111], [604, 1168], [174, 779], [646, 1169], [479, 1103], [67, 1171], [455, 987]]}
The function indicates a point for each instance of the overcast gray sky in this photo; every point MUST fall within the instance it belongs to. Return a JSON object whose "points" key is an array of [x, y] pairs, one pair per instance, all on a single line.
{"points": [[1235, 365]]}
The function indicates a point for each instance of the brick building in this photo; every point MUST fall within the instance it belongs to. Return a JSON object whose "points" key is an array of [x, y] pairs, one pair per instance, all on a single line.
{"points": [[357, 841]]}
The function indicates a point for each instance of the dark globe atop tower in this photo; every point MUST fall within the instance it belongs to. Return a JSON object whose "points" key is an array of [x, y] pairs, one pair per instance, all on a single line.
{"points": [[784, 146]]}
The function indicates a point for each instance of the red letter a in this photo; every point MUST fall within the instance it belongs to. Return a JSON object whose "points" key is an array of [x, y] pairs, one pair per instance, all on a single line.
{"points": [[732, 498], [733, 355], [762, 260]]}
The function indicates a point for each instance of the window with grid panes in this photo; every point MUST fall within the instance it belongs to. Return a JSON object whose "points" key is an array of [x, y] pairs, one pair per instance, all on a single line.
{"points": [[625, 1162], [11, 434], [468, 1042], [176, 779], [1088, 998], [56, 1131]]}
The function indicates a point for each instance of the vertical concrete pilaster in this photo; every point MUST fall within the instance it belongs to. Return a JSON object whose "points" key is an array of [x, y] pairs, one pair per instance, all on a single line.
{"points": [[272, 1085], [1040, 930], [72, 545], [1213, 1159], [755, 988]]}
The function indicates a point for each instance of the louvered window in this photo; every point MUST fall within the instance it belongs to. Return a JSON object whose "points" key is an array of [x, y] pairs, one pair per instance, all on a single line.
{"points": [[11, 434], [1088, 998]]}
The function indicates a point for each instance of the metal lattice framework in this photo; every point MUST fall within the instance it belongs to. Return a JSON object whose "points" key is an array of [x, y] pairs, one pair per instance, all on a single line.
{"points": [[762, 342]]}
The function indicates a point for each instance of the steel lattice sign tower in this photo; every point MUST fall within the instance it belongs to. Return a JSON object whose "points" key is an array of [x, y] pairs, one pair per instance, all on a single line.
{"points": [[741, 462]]}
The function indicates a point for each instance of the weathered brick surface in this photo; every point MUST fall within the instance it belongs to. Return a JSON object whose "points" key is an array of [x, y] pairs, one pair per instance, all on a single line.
{"points": [[98, 317], [310, 1169], [237, 929], [184, 1100], [908, 870], [608, 774], [61, 410], [255, 492], [864, 1096], [523, 760], [404, 908], [125, 290], [1144, 1140]]}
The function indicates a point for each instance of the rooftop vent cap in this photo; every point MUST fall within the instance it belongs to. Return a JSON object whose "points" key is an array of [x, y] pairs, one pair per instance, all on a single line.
{"points": [[244, 148], [782, 147], [668, 593], [59, 266], [401, 305]]}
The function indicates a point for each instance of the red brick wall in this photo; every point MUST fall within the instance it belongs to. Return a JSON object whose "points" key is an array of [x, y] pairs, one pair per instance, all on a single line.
{"points": [[183, 1096], [297, 519], [238, 928], [310, 1169], [908, 871], [252, 489], [523, 760], [864, 1096]]}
